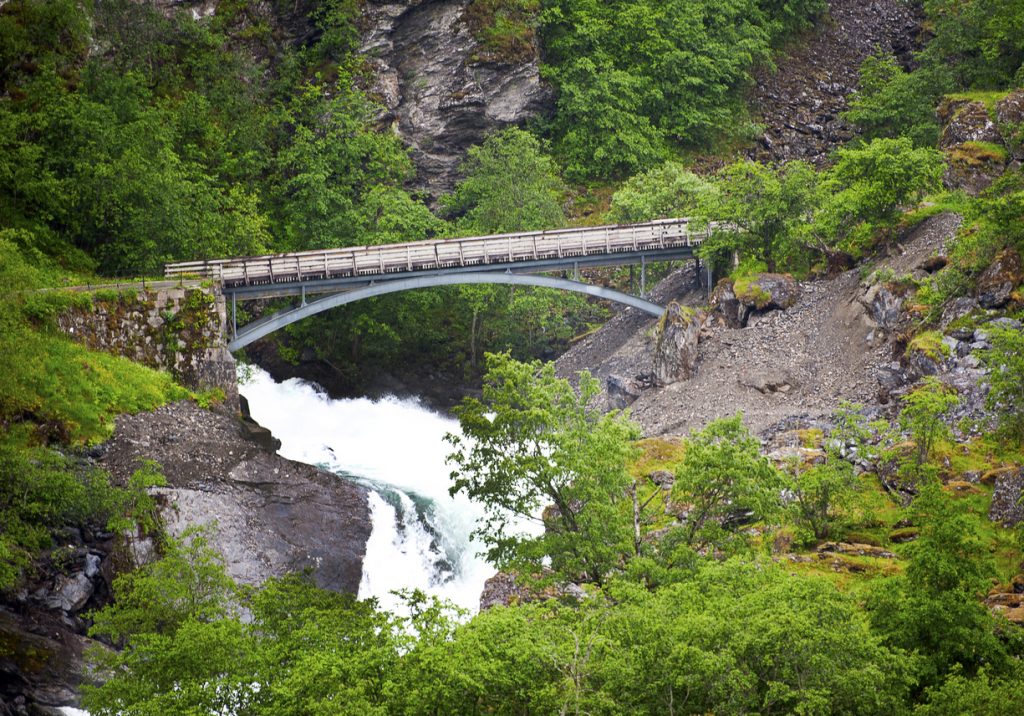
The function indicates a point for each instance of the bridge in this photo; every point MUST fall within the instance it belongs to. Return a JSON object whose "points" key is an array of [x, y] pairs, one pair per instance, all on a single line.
{"points": [[345, 275]]}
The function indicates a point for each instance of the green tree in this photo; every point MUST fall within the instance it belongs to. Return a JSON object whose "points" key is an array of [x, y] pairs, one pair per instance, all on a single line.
{"points": [[508, 185], [935, 608], [869, 185], [1005, 363], [892, 102], [923, 416], [665, 192], [187, 584], [724, 479], [530, 442], [766, 211]]}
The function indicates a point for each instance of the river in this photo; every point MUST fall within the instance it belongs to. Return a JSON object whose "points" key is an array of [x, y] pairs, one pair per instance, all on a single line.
{"points": [[396, 449]]}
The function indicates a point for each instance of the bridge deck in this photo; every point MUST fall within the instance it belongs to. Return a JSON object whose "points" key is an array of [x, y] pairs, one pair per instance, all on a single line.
{"points": [[539, 250]]}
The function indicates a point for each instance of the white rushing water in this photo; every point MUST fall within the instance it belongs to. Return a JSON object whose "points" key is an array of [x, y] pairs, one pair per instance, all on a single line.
{"points": [[396, 448]]}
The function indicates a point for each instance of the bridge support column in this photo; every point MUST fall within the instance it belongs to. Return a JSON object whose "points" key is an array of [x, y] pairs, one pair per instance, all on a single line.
{"points": [[234, 316], [643, 277]]}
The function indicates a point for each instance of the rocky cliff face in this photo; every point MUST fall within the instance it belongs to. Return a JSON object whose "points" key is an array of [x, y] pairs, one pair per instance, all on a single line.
{"points": [[440, 96], [269, 515]]}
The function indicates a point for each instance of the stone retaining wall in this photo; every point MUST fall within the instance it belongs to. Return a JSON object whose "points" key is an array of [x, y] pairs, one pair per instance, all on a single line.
{"points": [[180, 329]]}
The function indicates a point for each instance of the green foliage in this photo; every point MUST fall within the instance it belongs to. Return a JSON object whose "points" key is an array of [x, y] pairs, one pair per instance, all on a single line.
{"points": [[187, 584], [1005, 363], [923, 413], [982, 41], [178, 143], [767, 208], [665, 192], [506, 29], [980, 696], [637, 78], [532, 441], [892, 102], [723, 476], [869, 185], [40, 491], [934, 607], [509, 185]]}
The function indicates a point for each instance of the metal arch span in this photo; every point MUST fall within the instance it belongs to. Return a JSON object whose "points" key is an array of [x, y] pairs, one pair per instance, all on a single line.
{"points": [[268, 325]]}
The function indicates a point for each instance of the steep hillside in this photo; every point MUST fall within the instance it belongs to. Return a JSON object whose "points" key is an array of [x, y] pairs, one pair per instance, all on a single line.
{"points": [[799, 103]]}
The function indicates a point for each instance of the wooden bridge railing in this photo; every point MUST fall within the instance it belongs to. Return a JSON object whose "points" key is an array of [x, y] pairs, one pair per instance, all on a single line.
{"points": [[562, 245]]}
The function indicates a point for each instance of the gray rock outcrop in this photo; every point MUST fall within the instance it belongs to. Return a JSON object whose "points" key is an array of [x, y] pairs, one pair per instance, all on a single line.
{"points": [[675, 351], [440, 93], [997, 282], [269, 515]]}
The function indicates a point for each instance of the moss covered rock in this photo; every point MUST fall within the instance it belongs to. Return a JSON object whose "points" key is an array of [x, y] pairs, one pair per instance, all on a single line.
{"points": [[767, 290]]}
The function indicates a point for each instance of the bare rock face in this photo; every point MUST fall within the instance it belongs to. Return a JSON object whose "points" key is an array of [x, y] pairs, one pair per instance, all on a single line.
{"points": [[996, 283], [440, 96], [269, 515], [732, 311], [675, 352]]}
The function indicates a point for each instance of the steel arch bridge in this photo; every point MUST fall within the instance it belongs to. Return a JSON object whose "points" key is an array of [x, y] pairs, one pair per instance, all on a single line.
{"points": [[342, 276]]}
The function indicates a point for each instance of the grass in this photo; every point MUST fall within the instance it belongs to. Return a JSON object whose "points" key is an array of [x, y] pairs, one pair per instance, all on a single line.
{"points": [[976, 154], [930, 344], [988, 98]]}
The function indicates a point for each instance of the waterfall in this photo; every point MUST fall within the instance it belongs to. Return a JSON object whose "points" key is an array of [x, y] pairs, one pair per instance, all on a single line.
{"points": [[396, 449]]}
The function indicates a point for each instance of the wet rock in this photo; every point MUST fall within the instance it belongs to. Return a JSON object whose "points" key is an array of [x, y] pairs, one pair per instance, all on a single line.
{"points": [[1006, 495], [441, 92], [996, 283], [676, 339], [269, 516]]}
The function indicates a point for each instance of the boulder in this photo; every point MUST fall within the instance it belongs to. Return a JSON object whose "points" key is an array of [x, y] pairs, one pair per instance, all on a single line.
{"points": [[1006, 508], [504, 589], [767, 290], [766, 381], [725, 303], [973, 145], [621, 391], [71, 593], [884, 305], [996, 283], [676, 339], [269, 516], [966, 121], [957, 309]]}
